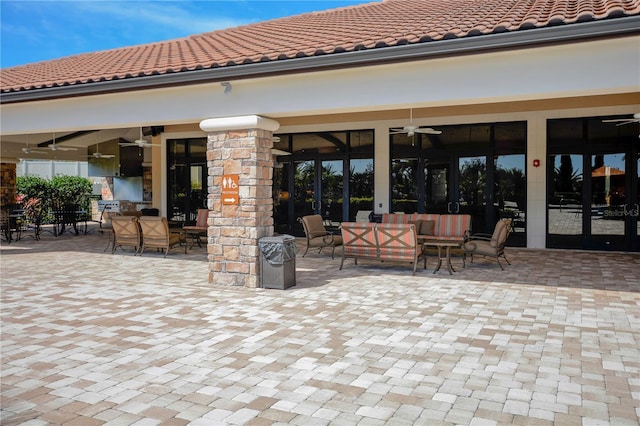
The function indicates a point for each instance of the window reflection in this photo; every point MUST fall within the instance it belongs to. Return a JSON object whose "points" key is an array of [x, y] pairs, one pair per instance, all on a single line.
{"points": [[607, 194], [404, 178], [510, 189], [186, 178], [565, 201], [361, 180]]}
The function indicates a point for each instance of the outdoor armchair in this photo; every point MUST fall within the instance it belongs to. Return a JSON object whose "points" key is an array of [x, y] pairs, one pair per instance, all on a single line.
{"points": [[317, 235], [199, 229], [489, 245], [126, 233], [156, 234]]}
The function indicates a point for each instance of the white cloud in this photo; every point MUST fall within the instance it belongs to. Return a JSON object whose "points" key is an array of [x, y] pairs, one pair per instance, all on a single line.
{"points": [[165, 17]]}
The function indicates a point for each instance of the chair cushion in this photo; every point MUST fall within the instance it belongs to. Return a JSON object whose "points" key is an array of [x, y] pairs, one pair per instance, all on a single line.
{"points": [[326, 240], [499, 233], [315, 226], [481, 247]]}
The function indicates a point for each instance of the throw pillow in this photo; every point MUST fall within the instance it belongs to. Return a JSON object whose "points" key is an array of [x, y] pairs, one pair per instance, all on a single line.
{"points": [[427, 227], [417, 224]]}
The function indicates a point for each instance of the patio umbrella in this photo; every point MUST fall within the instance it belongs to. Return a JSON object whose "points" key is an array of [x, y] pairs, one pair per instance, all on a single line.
{"points": [[607, 171]]}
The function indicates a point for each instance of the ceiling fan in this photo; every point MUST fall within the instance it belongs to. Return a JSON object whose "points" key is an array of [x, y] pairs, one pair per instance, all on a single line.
{"points": [[54, 147], [140, 142], [411, 129], [28, 150], [623, 121], [98, 154]]}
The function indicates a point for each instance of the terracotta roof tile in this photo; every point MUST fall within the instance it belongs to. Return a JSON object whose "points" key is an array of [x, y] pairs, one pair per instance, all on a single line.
{"points": [[367, 26]]}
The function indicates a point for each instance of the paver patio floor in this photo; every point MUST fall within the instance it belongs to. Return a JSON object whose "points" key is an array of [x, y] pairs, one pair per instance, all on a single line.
{"points": [[94, 338]]}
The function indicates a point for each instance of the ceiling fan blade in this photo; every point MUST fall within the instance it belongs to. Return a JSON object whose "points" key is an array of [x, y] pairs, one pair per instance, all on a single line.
{"points": [[275, 151], [398, 131], [623, 121], [54, 147], [141, 143], [428, 131], [34, 151]]}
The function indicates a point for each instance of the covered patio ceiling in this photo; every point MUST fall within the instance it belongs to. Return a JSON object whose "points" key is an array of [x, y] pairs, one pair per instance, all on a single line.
{"points": [[37, 145]]}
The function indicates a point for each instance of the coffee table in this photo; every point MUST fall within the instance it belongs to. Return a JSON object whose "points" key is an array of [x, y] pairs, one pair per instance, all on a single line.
{"points": [[443, 246]]}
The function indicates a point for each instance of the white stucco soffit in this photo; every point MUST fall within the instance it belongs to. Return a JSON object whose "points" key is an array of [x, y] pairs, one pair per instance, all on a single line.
{"points": [[239, 123]]}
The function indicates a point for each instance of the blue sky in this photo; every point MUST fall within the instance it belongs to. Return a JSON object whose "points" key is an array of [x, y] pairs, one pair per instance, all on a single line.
{"points": [[33, 31]]}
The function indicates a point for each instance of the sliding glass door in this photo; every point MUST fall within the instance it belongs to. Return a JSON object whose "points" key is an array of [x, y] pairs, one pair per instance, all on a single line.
{"points": [[592, 198], [476, 169], [323, 170], [186, 178]]}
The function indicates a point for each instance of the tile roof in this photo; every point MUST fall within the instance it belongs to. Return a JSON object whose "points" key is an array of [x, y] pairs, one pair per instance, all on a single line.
{"points": [[366, 26]]}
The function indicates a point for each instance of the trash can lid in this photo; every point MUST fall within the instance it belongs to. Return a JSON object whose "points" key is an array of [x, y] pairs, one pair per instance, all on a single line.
{"points": [[278, 249], [277, 239]]}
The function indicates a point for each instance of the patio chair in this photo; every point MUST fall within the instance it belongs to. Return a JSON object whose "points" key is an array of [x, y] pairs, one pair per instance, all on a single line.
{"points": [[126, 233], [5, 225], [489, 245], [317, 235], [156, 234], [199, 229]]}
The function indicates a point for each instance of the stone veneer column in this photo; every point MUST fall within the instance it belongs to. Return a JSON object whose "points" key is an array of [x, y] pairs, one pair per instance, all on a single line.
{"points": [[239, 146], [8, 190]]}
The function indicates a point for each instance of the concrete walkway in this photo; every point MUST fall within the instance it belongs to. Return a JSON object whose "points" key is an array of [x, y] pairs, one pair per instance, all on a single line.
{"points": [[94, 338]]}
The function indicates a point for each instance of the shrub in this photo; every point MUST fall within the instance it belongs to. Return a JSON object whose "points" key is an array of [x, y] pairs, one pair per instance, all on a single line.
{"points": [[33, 187], [71, 191]]}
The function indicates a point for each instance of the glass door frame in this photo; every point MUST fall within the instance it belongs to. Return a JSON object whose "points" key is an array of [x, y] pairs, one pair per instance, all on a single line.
{"points": [[317, 201], [489, 146], [344, 147], [186, 210], [628, 241], [484, 217], [318, 160], [584, 138]]}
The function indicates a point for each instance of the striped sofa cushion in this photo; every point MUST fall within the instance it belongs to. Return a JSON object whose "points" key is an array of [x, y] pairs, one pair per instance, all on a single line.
{"points": [[397, 242], [395, 218], [453, 225], [359, 239]]}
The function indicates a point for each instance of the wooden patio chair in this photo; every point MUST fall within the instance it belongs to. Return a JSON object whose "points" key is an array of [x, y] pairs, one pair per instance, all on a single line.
{"points": [[126, 233], [156, 234]]}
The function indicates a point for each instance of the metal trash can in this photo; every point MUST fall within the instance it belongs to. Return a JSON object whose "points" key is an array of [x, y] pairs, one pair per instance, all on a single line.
{"points": [[278, 261]]}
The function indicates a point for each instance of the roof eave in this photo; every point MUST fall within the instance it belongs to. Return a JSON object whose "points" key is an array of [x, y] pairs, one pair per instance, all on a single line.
{"points": [[508, 40]]}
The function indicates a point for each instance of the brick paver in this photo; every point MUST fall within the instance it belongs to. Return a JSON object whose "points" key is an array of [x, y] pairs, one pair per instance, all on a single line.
{"points": [[94, 338]]}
